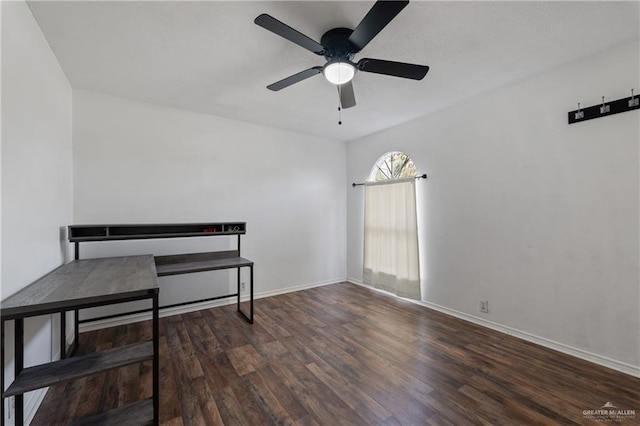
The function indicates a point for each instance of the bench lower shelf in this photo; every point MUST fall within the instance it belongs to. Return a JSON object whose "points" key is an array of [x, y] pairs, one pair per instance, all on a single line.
{"points": [[199, 262], [40, 376]]}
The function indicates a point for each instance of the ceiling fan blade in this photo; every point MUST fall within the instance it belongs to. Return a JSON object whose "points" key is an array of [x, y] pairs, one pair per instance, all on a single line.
{"points": [[376, 19], [347, 97], [283, 30], [293, 79], [396, 69]]}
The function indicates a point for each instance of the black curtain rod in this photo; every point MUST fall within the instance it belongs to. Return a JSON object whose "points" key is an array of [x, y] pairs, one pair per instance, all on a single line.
{"points": [[423, 176]]}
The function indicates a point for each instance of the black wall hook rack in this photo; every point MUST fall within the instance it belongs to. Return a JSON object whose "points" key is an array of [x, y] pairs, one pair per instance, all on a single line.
{"points": [[604, 109]]}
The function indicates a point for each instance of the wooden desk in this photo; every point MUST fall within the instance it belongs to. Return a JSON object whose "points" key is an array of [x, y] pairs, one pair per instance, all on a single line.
{"points": [[177, 263], [85, 284]]}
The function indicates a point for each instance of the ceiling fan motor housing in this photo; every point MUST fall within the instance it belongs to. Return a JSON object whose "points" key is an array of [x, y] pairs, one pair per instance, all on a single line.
{"points": [[337, 46]]}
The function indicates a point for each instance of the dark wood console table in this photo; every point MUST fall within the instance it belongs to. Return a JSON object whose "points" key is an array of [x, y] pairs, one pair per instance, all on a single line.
{"points": [[77, 285]]}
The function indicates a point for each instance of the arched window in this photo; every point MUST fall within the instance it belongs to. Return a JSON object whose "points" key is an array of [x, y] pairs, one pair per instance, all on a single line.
{"points": [[391, 258], [393, 166]]}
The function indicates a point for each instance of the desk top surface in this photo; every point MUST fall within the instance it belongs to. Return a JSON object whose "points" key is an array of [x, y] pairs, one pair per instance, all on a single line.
{"points": [[83, 283]]}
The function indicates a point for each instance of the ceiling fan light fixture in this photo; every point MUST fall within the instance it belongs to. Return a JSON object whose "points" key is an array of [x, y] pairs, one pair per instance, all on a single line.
{"points": [[338, 72]]}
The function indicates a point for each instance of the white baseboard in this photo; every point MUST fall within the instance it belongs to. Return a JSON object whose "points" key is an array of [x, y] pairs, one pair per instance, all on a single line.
{"points": [[178, 310], [632, 370]]}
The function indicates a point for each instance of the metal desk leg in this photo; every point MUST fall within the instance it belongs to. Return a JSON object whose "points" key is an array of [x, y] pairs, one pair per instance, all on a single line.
{"points": [[156, 361], [64, 351], [251, 289], [76, 330], [248, 318], [63, 334], [238, 289], [2, 373], [19, 365]]}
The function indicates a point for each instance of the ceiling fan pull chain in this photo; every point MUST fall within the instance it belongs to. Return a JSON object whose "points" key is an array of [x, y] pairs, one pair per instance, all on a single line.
{"points": [[339, 105]]}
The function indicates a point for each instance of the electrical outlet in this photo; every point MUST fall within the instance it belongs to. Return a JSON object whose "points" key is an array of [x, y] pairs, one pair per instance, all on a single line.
{"points": [[484, 306], [242, 286]]}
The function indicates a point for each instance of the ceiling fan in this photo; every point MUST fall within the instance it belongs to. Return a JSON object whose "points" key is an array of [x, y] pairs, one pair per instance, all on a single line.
{"points": [[339, 46]]}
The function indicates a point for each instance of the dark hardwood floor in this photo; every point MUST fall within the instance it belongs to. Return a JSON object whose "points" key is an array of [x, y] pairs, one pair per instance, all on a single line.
{"points": [[343, 355]]}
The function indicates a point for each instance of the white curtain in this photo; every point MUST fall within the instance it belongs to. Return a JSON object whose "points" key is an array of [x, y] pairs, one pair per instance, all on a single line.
{"points": [[391, 238]]}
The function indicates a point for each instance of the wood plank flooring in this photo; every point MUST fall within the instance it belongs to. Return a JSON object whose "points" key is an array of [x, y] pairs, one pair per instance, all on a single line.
{"points": [[342, 355]]}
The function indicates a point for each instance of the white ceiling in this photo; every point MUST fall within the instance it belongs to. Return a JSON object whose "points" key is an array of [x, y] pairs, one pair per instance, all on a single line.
{"points": [[210, 57]]}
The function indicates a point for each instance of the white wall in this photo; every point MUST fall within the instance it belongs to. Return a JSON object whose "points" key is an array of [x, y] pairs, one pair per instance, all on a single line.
{"points": [[139, 163], [537, 216], [36, 169]]}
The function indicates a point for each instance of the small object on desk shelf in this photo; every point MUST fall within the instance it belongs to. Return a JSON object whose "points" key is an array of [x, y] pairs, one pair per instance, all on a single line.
{"points": [[209, 230]]}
